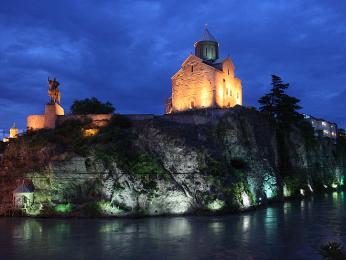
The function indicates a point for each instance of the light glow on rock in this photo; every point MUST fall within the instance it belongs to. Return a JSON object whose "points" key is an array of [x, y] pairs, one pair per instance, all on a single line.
{"points": [[270, 186], [216, 205], [302, 192], [287, 192], [310, 188], [245, 200]]}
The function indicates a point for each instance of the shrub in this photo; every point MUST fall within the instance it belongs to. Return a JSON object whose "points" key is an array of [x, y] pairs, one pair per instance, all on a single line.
{"points": [[333, 251], [34, 209]]}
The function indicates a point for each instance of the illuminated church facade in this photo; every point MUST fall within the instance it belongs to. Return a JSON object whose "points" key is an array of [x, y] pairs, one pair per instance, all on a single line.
{"points": [[204, 80]]}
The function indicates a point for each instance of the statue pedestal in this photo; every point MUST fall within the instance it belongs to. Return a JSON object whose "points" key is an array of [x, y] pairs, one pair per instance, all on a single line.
{"points": [[51, 112]]}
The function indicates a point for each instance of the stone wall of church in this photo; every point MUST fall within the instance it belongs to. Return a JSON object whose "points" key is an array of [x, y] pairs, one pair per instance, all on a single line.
{"points": [[198, 85], [192, 85], [228, 87]]}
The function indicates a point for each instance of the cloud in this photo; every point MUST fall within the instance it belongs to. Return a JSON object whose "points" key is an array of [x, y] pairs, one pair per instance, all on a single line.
{"points": [[126, 52]]}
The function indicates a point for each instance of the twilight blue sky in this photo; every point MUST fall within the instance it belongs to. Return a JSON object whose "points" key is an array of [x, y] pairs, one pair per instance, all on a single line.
{"points": [[126, 51]]}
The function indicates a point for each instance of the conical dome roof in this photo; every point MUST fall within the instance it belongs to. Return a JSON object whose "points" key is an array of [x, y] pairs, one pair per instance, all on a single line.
{"points": [[207, 36], [207, 47]]}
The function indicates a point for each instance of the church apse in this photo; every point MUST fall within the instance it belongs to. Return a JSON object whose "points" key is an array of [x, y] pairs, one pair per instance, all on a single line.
{"points": [[204, 80]]}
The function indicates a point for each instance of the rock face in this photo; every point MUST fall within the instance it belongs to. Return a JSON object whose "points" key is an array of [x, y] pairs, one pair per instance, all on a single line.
{"points": [[171, 165]]}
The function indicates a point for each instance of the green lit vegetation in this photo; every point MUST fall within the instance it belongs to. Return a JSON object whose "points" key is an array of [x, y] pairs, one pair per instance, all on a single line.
{"points": [[34, 210], [63, 208]]}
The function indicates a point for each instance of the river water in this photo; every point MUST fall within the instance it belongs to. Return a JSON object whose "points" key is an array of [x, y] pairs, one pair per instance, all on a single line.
{"points": [[291, 230]]}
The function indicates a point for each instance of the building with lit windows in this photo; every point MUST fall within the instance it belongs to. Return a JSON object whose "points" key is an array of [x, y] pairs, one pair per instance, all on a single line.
{"points": [[204, 80], [323, 128]]}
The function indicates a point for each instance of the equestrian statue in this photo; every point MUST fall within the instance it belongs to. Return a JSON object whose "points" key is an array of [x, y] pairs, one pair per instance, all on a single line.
{"points": [[53, 91]]}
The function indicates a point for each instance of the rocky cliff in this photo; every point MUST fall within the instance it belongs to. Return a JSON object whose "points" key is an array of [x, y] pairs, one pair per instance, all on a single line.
{"points": [[198, 161]]}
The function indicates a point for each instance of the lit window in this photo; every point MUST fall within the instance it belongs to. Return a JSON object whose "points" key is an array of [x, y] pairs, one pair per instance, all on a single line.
{"points": [[324, 123]]}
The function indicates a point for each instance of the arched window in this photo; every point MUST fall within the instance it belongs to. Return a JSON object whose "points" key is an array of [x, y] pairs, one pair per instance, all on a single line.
{"points": [[228, 71], [191, 68], [206, 52], [192, 105], [223, 84]]}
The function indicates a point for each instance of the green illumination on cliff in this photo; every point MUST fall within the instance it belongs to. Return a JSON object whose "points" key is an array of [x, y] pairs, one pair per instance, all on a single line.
{"points": [[216, 205], [334, 185], [63, 208], [342, 180], [269, 186]]}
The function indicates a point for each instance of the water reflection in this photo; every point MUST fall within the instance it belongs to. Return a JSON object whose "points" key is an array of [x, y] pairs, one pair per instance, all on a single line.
{"points": [[291, 230]]}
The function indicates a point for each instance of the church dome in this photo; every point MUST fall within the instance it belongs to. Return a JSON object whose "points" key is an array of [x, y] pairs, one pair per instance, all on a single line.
{"points": [[207, 47]]}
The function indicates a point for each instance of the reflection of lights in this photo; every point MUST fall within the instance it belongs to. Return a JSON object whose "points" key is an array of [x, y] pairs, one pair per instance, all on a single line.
{"points": [[335, 195], [217, 227], [246, 222], [301, 192], [302, 204]]}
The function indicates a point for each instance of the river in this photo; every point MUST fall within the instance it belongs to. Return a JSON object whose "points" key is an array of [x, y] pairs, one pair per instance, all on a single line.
{"points": [[290, 230]]}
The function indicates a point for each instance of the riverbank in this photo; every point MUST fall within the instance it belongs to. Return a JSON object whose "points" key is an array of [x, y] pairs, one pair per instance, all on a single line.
{"points": [[11, 212], [290, 230]]}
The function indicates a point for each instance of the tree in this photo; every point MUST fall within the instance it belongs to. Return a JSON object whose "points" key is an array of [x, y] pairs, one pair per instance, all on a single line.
{"points": [[91, 106], [280, 106]]}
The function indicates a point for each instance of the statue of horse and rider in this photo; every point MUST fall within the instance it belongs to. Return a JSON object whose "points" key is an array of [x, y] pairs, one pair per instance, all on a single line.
{"points": [[53, 91]]}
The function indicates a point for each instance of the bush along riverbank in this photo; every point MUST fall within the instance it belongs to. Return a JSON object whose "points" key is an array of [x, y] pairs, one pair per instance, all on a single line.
{"points": [[187, 163]]}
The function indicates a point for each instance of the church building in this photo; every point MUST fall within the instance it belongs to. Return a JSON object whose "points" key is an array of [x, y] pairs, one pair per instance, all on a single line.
{"points": [[204, 80]]}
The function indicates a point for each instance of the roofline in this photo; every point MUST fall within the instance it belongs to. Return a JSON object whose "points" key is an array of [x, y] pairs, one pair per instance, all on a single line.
{"points": [[218, 44], [320, 119]]}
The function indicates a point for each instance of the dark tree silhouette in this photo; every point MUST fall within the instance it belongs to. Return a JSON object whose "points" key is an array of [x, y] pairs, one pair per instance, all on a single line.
{"points": [[278, 105], [91, 106]]}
